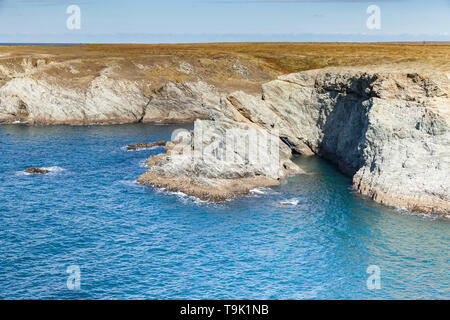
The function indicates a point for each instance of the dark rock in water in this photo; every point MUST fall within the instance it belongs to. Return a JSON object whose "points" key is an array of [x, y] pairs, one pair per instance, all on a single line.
{"points": [[37, 171], [145, 145]]}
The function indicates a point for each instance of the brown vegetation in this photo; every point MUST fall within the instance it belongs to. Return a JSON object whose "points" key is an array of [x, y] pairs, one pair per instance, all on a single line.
{"points": [[229, 66]]}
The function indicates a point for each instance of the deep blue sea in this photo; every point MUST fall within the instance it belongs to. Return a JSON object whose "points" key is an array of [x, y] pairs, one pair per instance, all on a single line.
{"points": [[310, 238]]}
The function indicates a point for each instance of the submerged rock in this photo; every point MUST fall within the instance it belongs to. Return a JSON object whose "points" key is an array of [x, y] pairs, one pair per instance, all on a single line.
{"points": [[36, 171], [145, 145]]}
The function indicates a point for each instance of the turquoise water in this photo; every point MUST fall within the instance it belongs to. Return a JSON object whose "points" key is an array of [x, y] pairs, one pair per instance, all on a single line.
{"points": [[310, 238]]}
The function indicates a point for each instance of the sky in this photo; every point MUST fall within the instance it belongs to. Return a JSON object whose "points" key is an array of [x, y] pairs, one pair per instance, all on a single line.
{"points": [[166, 21]]}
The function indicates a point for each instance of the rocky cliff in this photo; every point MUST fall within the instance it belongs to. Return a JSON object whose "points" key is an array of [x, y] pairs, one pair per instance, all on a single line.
{"points": [[104, 101], [387, 129], [219, 160]]}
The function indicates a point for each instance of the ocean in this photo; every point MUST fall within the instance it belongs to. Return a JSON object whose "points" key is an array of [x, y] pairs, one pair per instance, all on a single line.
{"points": [[312, 237]]}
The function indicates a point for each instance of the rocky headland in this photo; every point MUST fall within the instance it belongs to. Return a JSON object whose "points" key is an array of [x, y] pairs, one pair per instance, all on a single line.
{"points": [[388, 130], [388, 127]]}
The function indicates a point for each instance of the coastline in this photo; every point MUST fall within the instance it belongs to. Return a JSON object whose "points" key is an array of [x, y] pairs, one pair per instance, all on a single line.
{"points": [[387, 126]]}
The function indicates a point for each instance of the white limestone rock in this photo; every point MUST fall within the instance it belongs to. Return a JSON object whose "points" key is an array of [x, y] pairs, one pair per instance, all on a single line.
{"points": [[389, 130]]}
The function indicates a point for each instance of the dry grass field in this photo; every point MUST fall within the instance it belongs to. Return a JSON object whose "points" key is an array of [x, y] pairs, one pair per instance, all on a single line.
{"points": [[229, 66]]}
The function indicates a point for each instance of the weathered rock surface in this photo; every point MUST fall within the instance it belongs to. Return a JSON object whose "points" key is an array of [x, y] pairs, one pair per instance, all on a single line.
{"points": [[182, 102], [146, 145], [36, 171], [104, 101], [216, 162], [389, 130]]}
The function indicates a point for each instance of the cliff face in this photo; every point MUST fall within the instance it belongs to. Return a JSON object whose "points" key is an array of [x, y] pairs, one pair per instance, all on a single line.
{"points": [[388, 130], [105, 100], [182, 102], [219, 160]]}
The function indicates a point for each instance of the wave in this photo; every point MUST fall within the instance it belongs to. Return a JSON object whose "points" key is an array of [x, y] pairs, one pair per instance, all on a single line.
{"points": [[185, 198], [262, 191], [53, 171], [129, 183], [428, 216], [142, 163], [259, 191], [290, 202]]}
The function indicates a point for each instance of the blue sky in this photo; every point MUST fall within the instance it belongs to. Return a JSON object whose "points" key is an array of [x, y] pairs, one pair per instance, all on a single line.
{"points": [[223, 20]]}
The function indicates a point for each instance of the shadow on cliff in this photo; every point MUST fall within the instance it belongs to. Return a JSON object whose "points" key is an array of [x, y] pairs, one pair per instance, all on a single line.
{"points": [[344, 124]]}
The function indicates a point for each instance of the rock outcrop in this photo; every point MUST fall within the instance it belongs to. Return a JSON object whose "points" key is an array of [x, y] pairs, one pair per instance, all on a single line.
{"points": [[220, 160], [36, 171], [388, 130], [145, 145], [104, 101], [182, 102]]}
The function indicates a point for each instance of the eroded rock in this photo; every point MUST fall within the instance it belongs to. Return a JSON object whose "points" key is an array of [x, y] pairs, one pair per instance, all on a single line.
{"points": [[104, 101], [146, 145], [182, 102], [220, 160], [388, 130], [36, 171]]}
